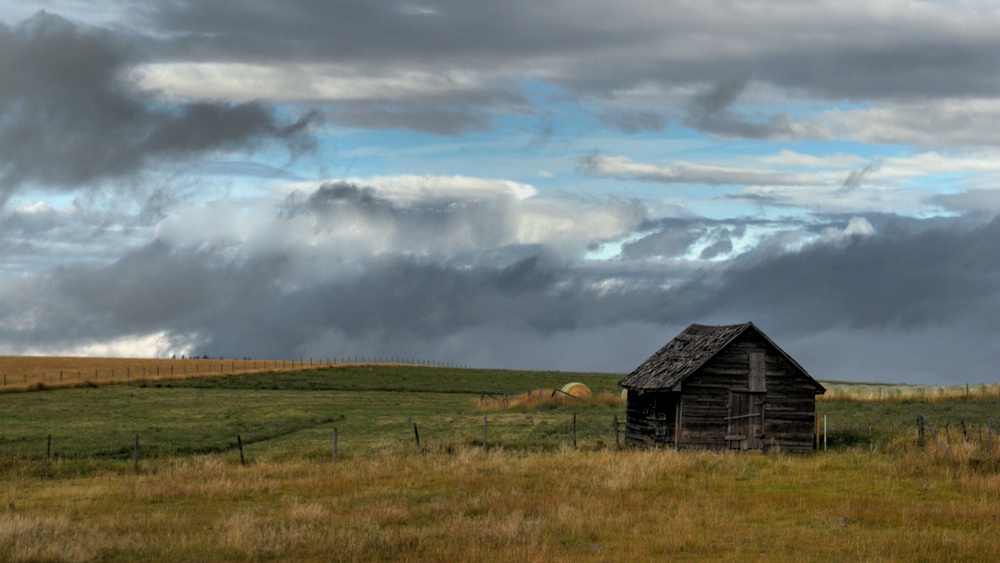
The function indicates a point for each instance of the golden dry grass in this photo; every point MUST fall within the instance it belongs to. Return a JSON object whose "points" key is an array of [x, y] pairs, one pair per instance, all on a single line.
{"points": [[497, 505], [889, 393], [24, 372]]}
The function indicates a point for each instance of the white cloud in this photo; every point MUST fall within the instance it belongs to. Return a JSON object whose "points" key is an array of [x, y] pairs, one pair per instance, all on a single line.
{"points": [[687, 172], [304, 82], [958, 122]]}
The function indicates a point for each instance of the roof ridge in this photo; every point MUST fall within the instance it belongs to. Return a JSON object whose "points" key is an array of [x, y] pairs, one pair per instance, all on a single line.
{"points": [[688, 351]]}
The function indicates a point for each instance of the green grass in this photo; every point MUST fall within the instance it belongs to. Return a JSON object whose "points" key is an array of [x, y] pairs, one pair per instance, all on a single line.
{"points": [[848, 421], [406, 379], [294, 414]]}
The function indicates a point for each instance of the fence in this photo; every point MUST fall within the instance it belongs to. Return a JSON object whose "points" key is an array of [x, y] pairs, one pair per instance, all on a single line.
{"points": [[569, 430], [26, 372]]}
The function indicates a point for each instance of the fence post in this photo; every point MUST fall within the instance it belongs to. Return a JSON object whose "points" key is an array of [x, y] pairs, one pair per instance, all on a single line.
{"points": [[534, 437], [921, 438], [48, 457], [871, 445], [618, 444], [135, 454], [574, 431], [824, 432], [416, 435], [239, 443], [484, 432]]}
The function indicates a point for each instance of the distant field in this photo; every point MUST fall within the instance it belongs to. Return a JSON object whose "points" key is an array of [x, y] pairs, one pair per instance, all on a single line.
{"points": [[23, 372]]}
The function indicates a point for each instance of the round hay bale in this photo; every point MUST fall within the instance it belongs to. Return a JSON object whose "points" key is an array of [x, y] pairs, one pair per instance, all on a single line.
{"points": [[578, 390]]}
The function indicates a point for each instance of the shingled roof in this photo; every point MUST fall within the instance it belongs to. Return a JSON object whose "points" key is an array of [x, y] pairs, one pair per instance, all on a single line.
{"points": [[687, 352]]}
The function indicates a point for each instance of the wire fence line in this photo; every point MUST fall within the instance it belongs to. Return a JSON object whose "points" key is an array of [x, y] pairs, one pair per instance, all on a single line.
{"points": [[26, 373], [527, 433]]}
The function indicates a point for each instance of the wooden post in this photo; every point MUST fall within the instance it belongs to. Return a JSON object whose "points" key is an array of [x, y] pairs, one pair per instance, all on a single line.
{"points": [[534, 437], [618, 444], [239, 443], [416, 435], [871, 446], [824, 432], [48, 457], [334, 443], [816, 427], [135, 454], [933, 433], [484, 432], [574, 431]]}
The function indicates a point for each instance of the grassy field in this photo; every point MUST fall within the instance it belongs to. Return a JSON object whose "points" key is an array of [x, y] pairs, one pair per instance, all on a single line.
{"points": [[372, 407], [504, 505], [529, 495]]}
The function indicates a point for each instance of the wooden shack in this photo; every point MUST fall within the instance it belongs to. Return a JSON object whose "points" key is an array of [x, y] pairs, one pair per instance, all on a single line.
{"points": [[721, 387]]}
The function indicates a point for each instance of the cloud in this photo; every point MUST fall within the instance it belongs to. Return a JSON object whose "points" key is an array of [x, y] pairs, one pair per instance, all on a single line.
{"points": [[635, 121], [71, 118], [685, 172], [346, 270], [473, 60], [709, 111]]}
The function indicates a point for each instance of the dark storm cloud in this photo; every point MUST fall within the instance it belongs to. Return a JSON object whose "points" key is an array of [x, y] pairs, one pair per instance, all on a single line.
{"points": [[898, 288], [69, 117], [941, 280], [829, 50], [668, 243], [709, 112]]}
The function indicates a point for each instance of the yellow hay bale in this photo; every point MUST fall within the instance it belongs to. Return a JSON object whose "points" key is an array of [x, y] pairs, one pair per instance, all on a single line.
{"points": [[578, 390]]}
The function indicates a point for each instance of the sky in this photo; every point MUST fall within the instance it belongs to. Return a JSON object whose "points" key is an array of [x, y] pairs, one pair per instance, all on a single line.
{"points": [[527, 185]]}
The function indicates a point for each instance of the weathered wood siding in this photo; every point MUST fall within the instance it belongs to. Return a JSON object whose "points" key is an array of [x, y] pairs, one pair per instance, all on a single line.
{"points": [[789, 409], [650, 419]]}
